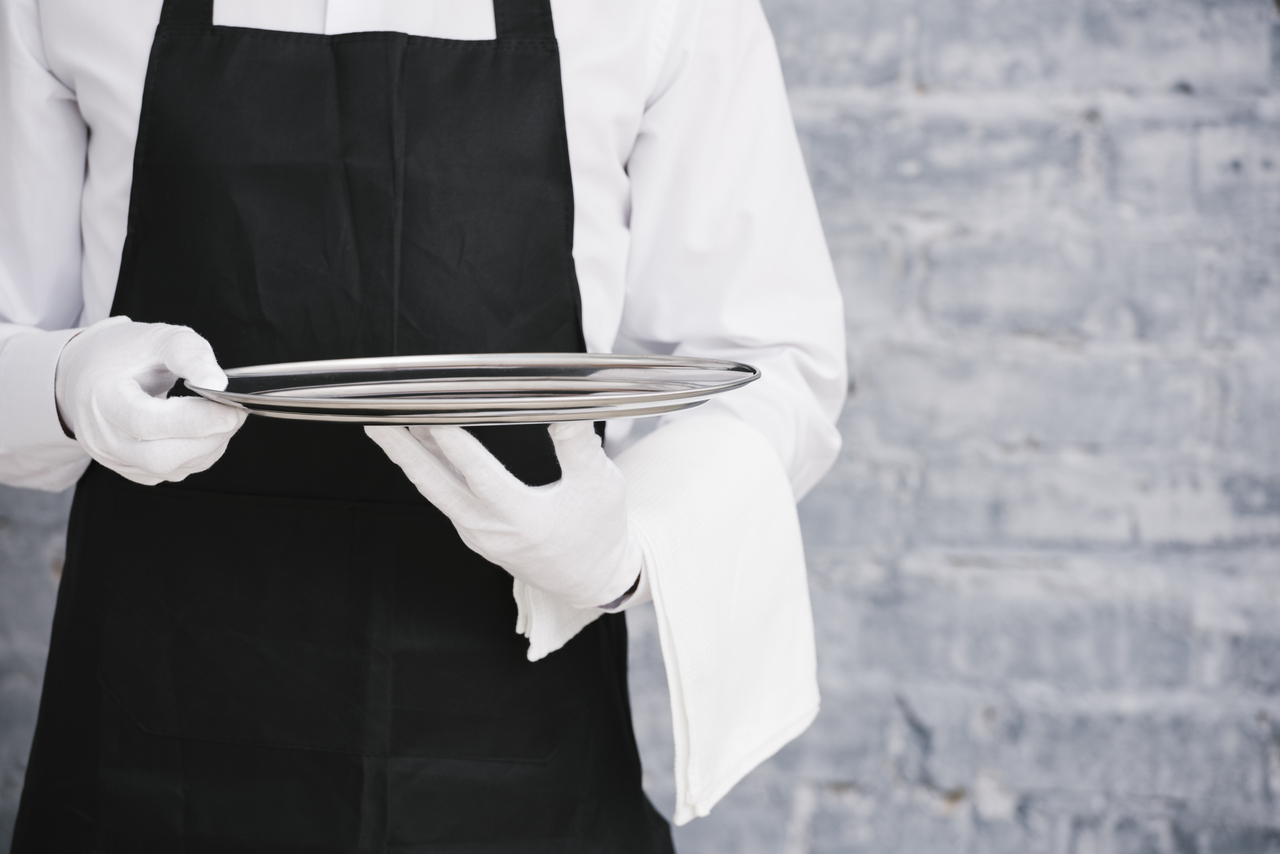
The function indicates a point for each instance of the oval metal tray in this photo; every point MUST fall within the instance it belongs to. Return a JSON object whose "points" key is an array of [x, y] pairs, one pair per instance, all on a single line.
{"points": [[477, 389]]}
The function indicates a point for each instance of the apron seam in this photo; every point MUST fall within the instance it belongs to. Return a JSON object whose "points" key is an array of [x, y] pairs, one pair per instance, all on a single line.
{"points": [[276, 745], [373, 36]]}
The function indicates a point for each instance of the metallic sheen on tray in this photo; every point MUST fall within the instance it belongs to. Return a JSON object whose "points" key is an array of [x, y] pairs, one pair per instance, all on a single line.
{"points": [[477, 389]]}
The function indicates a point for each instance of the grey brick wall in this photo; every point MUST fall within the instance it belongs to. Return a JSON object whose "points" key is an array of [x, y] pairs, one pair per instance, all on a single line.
{"points": [[32, 534], [1045, 569]]}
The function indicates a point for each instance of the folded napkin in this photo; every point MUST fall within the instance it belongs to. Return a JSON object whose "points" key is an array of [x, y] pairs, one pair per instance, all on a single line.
{"points": [[716, 517]]}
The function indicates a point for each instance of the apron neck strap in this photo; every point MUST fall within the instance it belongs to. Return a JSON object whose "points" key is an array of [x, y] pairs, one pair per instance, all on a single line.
{"points": [[522, 19], [187, 12]]}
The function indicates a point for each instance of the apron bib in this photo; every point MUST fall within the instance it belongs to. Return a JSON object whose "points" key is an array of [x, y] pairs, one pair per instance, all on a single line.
{"points": [[294, 651]]}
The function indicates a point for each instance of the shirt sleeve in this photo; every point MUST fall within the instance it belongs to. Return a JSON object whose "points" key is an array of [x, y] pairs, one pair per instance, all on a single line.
{"points": [[728, 258], [43, 141]]}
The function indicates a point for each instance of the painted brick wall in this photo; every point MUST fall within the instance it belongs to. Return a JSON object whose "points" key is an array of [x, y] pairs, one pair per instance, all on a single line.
{"points": [[32, 534], [1045, 568]]}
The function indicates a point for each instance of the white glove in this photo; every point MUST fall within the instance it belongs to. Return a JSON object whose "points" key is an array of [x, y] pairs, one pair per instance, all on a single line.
{"points": [[571, 538], [111, 384]]}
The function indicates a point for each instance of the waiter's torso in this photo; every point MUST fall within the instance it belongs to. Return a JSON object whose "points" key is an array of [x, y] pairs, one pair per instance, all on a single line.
{"points": [[293, 651]]}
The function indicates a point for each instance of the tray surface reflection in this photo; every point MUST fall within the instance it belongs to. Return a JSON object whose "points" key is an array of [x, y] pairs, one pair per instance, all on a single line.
{"points": [[490, 388]]}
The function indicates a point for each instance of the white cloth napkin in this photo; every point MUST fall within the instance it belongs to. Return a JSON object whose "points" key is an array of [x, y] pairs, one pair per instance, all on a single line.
{"points": [[723, 558]]}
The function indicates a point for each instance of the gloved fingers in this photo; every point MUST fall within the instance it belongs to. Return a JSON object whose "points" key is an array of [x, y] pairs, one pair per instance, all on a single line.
{"points": [[156, 380], [147, 478], [198, 464], [137, 414], [162, 457], [578, 447], [135, 475], [422, 433], [190, 356], [485, 473], [430, 474]]}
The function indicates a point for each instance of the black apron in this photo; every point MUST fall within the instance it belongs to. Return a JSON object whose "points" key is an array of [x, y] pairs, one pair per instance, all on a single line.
{"points": [[294, 651]]}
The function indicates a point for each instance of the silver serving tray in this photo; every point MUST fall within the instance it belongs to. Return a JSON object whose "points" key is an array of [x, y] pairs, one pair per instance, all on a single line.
{"points": [[489, 388]]}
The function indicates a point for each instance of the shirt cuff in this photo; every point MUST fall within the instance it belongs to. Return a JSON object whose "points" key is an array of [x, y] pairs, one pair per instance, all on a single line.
{"points": [[34, 450]]}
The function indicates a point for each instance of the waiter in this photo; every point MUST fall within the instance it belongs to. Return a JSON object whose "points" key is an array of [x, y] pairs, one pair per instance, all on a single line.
{"points": [[267, 638]]}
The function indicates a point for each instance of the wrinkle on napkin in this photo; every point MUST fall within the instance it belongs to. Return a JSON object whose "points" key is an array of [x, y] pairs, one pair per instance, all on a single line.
{"points": [[716, 517]]}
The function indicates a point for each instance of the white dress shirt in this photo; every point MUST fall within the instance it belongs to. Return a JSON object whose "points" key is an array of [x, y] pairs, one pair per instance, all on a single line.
{"points": [[695, 233], [695, 230]]}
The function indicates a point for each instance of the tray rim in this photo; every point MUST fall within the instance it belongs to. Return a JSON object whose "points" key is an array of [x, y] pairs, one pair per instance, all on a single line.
{"points": [[487, 360], [488, 418]]}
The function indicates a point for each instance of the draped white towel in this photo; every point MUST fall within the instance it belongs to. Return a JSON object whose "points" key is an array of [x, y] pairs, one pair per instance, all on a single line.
{"points": [[717, 517]]}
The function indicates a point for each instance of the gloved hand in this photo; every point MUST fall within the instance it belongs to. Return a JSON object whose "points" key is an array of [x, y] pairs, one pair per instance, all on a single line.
{"points": [[110, 389], [571, 538]]}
